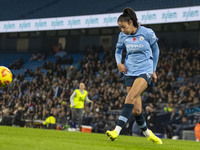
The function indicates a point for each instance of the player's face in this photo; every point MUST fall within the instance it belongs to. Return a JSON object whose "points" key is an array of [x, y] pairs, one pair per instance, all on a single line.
{"points": [[126, 27], [82, 86]]}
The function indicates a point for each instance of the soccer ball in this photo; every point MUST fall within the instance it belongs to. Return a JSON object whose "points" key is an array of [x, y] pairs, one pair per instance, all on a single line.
{"points": [[5, 76]]}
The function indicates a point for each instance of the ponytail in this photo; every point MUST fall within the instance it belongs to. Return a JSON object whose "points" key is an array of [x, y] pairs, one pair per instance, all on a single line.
{"points": [[128, 14]]}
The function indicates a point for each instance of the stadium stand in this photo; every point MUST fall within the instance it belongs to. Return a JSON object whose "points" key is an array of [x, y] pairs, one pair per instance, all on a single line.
{"points": [[37, 82], [58, 8], [43, 83]]}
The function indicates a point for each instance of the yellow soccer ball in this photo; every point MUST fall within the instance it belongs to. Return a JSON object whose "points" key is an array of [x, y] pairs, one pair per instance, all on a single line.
{"points": [[5, 76]]}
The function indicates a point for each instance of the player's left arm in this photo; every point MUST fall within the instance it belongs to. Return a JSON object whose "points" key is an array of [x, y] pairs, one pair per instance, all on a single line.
{"points": [[156, 52], [155, 49]]}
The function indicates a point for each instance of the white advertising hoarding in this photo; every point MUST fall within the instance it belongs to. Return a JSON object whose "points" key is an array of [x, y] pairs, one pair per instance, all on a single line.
{"points": [[185, 14]]}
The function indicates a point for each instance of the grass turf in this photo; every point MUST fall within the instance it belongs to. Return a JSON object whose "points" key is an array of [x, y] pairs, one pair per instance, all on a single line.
{"points": [[14, 138]]}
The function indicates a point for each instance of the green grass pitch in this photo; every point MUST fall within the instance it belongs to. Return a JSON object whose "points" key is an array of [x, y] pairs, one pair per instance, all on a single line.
{"points": [[14, 138]]}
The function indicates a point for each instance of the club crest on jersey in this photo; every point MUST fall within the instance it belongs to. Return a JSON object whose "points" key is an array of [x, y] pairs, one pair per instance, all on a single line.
{"points": [[141, 38], [134, 39]]}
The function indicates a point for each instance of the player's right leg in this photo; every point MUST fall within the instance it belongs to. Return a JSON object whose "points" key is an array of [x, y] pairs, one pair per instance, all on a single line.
{"points": [[74, 117], [152, 137], [80, 118]]}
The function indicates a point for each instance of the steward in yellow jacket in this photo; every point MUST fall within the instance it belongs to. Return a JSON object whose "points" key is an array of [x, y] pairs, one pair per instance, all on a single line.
{"points": [[77, 100]]}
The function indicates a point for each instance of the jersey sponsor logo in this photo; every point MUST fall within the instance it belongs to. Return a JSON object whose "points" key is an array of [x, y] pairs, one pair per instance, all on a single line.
{"points": [[135, 46], [134, 39], [141, 38]]}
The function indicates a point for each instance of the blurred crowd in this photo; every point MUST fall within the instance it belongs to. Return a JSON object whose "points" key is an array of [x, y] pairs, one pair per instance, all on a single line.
{"points": [[48, 94], [178, 65]]}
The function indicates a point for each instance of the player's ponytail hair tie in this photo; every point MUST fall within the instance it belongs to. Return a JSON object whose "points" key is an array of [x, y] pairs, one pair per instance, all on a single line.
{"points": [[129, 14]]}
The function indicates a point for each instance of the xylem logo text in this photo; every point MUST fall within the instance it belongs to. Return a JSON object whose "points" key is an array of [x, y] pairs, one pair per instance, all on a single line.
{"points": [[190, 14], [57, 23], [24, 25], [109, 19], [148, 17], [73, 22], [169, 15], [9, 26], [40, 24], [91, 21]]}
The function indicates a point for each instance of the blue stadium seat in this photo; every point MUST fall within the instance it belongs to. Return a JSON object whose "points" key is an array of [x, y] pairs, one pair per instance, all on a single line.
{"points": [[55, 8]]}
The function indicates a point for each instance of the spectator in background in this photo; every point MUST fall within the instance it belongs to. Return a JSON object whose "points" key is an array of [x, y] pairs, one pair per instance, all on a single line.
{"points": [[184, 125], [70, 60], [62, 120], [197, 131], [50, 122], [99, 122], [77, 100], [110, 123], [57, 89], [38, 56], [174, 122], [87, 116], [17, 64], [150, 117], [6, 118], [17, 120]]}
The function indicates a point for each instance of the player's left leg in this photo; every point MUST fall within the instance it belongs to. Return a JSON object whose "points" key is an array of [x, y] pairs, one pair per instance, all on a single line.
{"points": [[139, 118]]}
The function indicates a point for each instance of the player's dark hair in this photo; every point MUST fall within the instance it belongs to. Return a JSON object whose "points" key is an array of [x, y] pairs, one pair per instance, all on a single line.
{"points": [[128, 14]]}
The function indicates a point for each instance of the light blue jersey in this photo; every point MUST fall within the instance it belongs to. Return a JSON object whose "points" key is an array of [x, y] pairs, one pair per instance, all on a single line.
{"points": [[142, 51]]}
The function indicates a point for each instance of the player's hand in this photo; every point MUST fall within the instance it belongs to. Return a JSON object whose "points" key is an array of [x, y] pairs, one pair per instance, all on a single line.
{"points": [[154, 77], [122, 68], [92, 103]]}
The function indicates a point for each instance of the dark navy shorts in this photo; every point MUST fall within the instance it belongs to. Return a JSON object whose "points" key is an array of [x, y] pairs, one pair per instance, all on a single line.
{"points": [[128, 80]]}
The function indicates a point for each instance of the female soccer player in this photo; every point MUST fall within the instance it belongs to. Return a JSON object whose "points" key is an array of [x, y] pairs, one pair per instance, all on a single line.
{"points": [[139, 69]]}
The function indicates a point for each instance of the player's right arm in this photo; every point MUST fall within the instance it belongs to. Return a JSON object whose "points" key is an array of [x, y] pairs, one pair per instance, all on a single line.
{"points": [[72, 98], [118, 54]]}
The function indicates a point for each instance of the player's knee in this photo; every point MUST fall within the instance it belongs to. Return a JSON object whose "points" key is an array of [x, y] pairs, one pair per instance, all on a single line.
{"points": [[131, 99], [137, 112]]}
